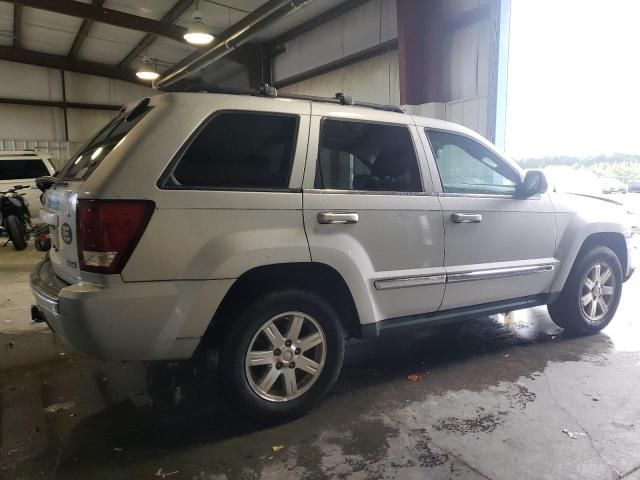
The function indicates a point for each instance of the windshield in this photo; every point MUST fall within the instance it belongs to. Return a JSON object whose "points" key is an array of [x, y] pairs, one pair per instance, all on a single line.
{"points": [[87, 159]]}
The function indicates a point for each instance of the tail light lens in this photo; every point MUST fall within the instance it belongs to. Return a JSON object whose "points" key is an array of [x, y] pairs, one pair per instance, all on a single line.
{"points": [[108, 231]]}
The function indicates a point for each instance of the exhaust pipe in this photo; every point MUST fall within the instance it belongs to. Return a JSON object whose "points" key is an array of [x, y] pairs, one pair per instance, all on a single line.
{"points": [[269, 13]]}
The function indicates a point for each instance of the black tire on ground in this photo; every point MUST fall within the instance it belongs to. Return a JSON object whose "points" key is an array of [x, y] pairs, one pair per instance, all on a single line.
{"points": [[16, 232], [234, 375], [567, 312]]}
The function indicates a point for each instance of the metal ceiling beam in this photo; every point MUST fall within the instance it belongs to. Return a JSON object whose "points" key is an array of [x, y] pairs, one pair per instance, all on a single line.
{"points": [[171, 16], [49, 103], [17, 22], [315, 22], [105, 15], [229, 40], [357, 57], [61, 62], [83, 32]]}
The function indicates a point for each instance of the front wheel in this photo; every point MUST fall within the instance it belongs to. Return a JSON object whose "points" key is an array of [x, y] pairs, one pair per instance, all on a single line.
{"points": [[591, 294], [17, 234], [281, 356]]}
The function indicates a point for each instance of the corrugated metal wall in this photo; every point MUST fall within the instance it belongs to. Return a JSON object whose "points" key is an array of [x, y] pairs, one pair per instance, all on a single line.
{"points": [[466, 70], [373, 80], [34, 125], [467, 73]]}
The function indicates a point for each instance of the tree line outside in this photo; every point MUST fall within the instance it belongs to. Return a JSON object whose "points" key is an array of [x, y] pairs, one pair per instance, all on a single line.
{"points": [[622, 166]]}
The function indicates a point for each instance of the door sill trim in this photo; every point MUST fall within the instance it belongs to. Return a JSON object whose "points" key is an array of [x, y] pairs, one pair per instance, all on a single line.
{"points": [[387, 326]]}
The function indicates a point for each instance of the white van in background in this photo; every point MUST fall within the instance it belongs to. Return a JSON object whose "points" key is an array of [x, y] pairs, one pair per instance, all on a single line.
{"points": [[22, 167]]}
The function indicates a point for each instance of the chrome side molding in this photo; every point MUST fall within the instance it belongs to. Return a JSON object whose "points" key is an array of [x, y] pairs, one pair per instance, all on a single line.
{"points": [[440, 278], [414, 281], [498, 273]]}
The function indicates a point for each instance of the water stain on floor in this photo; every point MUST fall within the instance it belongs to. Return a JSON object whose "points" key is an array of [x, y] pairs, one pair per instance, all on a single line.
{"points": [[479, 424]]}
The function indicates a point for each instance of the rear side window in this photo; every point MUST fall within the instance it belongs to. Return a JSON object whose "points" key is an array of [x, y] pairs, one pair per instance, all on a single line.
{"points": [[87, 159], [13, 169], [367, 157], [242, 150]]}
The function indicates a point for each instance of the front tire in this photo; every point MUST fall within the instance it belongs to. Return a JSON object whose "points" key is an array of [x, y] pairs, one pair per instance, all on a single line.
{"points": [[591, 294], [281, 356], [16, 232]]}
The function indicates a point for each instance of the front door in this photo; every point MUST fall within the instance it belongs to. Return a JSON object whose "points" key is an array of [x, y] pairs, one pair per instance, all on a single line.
{"points": [[497, 247], [370, 212]]}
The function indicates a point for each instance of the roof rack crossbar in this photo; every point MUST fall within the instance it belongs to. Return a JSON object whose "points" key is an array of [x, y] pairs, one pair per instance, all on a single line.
{"points": [[270, 91]]}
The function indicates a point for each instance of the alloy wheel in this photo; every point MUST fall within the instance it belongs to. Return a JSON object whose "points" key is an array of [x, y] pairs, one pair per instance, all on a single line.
{"points": [[286, 356], [597, 293]]}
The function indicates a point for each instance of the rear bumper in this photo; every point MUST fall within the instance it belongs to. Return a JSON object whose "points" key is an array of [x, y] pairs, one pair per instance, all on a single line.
{"points": [[128, 321]]}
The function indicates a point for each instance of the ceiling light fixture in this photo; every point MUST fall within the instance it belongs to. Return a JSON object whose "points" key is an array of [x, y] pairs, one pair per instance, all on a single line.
{"points": [[198, 33], [147, 70]]}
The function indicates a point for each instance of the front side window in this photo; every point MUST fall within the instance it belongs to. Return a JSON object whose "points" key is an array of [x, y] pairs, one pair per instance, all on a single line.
{"points": [[466, 166], [367, 157], [242, 150]]}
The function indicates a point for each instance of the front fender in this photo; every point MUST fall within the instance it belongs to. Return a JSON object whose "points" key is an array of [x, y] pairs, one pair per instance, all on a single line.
{"points": [[576, 221]]}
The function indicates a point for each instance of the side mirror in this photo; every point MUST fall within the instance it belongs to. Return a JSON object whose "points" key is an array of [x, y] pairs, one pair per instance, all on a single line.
{"points": [[534, 183]]}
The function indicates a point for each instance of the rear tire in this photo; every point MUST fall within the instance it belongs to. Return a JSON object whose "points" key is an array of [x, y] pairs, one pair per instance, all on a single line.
{"points": [[271, 352], [16, 232], [591, 294]]}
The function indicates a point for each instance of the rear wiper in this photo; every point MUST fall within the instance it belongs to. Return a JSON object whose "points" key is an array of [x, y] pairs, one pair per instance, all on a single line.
{"points": [[45, 183]]}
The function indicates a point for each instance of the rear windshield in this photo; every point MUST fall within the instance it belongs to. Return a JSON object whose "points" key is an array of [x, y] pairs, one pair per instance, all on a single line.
{"points": [[14, 169], [87, 159]]}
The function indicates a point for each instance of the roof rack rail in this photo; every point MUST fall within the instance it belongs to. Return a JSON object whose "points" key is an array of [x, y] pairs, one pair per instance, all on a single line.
{"points": [[267, 90]]}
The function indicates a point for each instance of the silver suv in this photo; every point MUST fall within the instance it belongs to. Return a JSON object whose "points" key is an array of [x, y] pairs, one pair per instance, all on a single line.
{"points": [[262, 231]]}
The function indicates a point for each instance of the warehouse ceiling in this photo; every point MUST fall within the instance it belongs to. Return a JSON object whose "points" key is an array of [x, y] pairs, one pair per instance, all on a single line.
{"points": [[110, 37]]}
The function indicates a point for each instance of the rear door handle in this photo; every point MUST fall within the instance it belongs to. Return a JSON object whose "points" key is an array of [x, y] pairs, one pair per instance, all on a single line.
{"points": [[466, 217], [337, 218]]}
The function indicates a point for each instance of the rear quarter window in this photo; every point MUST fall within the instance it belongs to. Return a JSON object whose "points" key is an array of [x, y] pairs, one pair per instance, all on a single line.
{"points": [[27, 168], [238, 150]]}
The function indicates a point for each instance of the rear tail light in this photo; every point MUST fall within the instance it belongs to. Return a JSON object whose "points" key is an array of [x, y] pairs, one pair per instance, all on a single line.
{"points": [[108, 231]]}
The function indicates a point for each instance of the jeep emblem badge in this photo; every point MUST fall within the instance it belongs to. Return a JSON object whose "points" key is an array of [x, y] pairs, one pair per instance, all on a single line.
{"points": [[67, 236]]}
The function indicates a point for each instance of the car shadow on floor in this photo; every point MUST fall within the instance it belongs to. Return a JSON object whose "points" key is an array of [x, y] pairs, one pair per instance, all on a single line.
{"points": [[471, 356]]}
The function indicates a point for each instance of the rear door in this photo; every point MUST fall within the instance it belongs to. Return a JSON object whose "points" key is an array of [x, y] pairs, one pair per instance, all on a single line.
{"points": [[370, 212], [497, 246]]}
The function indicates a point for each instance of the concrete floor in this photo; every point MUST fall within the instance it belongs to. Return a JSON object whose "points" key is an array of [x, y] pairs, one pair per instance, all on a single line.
{"points": [[494, 399]]}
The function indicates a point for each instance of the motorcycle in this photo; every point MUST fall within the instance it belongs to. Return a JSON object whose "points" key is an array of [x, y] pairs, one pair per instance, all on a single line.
{"points": [[15, 221]]}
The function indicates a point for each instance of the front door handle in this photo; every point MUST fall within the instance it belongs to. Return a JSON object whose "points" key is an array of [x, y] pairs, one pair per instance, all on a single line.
{"points": [[337, 218], [466, 217]]}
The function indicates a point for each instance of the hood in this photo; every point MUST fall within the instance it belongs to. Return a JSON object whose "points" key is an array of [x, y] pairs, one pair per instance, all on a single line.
{"points": [[597, 197], [585, 203], [595, 209]]}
